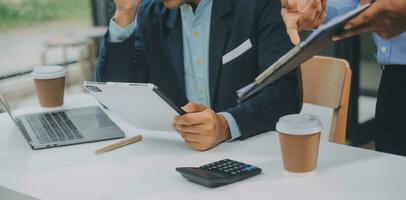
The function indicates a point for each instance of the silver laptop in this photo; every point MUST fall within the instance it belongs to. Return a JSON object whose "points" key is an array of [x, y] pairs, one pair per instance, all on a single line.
{"points": [[64, 127]]}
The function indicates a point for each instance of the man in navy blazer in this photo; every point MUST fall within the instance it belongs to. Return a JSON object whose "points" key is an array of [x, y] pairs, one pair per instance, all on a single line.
{"points": [[242, 39]]}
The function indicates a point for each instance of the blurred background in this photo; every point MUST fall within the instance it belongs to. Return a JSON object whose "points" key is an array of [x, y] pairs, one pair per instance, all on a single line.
{"points": [[43, 32], [69, 33]]}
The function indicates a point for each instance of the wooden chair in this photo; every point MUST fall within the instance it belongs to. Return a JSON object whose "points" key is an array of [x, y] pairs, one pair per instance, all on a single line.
{"points": [[327, 82]]}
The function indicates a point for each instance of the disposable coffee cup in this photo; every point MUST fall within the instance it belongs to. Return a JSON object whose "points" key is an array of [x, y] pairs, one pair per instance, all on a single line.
{"points": [[299, 137], [50, 85]]}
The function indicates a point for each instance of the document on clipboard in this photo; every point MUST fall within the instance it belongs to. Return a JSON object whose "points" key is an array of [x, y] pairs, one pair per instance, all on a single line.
{"points": [[299, 54]]}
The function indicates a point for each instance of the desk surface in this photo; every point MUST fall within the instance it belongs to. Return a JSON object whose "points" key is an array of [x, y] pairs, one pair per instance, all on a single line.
{"points": [[146, 170]]}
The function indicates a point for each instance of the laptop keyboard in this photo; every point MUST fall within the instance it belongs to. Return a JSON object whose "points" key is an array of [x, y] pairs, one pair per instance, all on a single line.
{"points": [[54, 127]]}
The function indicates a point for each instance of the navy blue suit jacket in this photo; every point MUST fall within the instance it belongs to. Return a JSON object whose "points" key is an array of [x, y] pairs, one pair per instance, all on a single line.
{"points": [[154, 54]]}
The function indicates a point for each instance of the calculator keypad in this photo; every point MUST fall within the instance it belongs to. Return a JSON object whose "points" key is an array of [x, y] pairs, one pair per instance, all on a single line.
{"points": [[219, 173], [229, 167]]}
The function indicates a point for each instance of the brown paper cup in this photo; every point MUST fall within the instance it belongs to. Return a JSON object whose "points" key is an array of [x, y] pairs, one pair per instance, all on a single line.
{"points": [[50, 92], [299, 137], [50, 85], [299, 152]]}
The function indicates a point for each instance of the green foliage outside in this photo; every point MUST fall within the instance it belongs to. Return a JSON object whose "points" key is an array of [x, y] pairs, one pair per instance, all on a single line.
{"points": [[15, 13]]}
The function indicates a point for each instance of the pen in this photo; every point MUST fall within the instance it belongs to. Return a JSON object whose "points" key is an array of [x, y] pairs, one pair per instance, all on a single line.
{"points": [[120, 144]]}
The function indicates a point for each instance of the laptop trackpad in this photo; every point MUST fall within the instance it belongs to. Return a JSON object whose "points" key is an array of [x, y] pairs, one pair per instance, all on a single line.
{"points": [[89, 118]]}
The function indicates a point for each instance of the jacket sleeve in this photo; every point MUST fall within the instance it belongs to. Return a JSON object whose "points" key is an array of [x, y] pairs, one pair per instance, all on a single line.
{"points": [[124, 61], [261, 113]]}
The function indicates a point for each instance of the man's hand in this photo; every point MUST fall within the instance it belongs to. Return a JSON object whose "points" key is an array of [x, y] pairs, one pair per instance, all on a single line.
{"points": [[302, 15], [201, 128], [125, 11], [387, 18]]}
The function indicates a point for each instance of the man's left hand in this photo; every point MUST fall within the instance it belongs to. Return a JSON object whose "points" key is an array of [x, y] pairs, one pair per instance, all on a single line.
{"points": [[384, 17], [201, 127]]}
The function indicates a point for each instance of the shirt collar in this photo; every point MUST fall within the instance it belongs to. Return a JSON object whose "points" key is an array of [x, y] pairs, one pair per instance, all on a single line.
{"points": [[201, 8]]}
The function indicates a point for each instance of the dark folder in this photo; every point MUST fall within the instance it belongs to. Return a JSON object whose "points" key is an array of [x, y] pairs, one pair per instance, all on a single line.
{"points": [[299, 54]]}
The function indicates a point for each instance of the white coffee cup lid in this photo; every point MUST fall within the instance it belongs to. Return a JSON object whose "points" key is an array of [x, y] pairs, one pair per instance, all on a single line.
{"points": [[48, 72], [299, 124]]}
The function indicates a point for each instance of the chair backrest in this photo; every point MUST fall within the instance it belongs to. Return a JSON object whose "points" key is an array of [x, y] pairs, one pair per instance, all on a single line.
{"points": [[327, 82]]}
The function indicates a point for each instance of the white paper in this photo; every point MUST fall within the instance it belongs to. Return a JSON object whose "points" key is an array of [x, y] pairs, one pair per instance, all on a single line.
{"points": [[244, 47]]}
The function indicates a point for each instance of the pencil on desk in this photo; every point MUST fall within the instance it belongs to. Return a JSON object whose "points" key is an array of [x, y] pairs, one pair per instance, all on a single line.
{"points": [[117, 145]]}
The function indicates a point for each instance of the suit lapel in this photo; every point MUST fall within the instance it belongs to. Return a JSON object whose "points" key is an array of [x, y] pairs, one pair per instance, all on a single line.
{"points": [[174, 41], [220, 29]]}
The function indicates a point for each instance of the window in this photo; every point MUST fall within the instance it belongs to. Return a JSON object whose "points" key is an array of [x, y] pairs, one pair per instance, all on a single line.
{"points": [[43, 32]]}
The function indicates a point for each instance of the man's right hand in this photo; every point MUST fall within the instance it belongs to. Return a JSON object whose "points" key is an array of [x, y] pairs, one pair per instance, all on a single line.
{"points": [[125, 11], [302, 15]]}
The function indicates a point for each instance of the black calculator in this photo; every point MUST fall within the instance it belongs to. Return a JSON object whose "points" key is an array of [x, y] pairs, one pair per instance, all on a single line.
{"points": [[219, 173]]}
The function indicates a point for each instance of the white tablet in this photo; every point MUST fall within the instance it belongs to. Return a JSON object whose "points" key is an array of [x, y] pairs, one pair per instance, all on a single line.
{"points": [[299, 54], [142, 105]]}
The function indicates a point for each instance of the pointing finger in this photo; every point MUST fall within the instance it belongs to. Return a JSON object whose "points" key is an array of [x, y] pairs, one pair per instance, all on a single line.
{"points": [[291, 26]]}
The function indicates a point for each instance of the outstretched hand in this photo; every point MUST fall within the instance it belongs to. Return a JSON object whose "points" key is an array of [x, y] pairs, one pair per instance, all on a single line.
{"points": [[302, 15], [387, 18]]}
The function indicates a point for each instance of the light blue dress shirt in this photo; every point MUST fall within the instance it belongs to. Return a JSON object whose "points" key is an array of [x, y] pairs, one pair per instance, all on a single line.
{"points": [[196, 40], [389, 52]]}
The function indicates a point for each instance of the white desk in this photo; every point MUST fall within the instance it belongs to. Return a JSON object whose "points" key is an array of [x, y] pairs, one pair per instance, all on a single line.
{"points": [[146, 170]]}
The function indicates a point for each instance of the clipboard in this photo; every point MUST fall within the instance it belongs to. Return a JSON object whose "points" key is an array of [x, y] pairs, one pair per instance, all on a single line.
{"points": [[299, 54], [141, 105]]}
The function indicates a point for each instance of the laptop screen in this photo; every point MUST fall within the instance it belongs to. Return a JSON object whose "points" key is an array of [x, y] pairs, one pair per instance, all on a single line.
{"points": [[7, 107]]}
